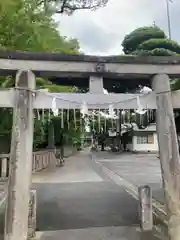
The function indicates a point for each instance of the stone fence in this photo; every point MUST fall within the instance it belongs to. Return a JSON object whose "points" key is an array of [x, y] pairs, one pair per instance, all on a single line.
{"points": [[41, 160]]}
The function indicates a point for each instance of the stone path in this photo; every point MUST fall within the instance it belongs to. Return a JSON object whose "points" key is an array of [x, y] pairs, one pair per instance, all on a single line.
{"points": [[78, 202], [76, 170]]}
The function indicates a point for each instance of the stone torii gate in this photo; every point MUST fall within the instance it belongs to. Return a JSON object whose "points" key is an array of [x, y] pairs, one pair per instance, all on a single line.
{"points": [[24, 98]]}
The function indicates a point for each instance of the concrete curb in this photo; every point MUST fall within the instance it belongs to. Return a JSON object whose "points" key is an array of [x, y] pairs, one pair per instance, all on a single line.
{"points": [[158, 208]]}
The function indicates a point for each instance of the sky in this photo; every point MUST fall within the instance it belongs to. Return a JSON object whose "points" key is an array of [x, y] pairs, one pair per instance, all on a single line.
{"points": [[101, 32]]}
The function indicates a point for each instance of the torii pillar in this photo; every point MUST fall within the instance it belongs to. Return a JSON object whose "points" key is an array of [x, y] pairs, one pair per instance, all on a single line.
{"points": [[169, 152], [17, 209]]}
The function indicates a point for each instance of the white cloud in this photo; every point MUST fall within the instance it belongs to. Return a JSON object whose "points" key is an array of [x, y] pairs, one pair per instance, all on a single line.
{"points": [[102, 31]]}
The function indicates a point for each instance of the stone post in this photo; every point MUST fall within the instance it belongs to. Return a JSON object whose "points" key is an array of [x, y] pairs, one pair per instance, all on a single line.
{"points": [[145, 207], [17, 209], [32, 214], [4, 167]]}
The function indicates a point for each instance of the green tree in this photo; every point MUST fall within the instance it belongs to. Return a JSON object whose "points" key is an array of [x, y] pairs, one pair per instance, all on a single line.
{"points": [[138, 36], [25, 27], [153, 44], [69, 6], [149, 41]]}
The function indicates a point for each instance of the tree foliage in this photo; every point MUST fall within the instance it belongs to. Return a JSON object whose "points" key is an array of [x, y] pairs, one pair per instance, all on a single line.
{"points": [[155, 52], [149, 41], [175, 84], [69, 6], [165, 43], [138, 36], [25, 26]]}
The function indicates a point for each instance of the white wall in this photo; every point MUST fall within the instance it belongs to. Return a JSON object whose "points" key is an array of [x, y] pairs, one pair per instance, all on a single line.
{"points": [[145, 147]]}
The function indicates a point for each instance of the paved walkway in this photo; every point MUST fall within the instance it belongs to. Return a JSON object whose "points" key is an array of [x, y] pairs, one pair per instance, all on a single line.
{"points": [[138, 169], [78, 202], [76, 170]]}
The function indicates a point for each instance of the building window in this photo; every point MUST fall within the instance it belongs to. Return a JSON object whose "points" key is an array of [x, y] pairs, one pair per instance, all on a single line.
{"points": [[146, 139], [142, 139]]}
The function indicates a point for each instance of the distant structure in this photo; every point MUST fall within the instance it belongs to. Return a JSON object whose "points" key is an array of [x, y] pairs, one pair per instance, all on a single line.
{"points": [[144, 140]]}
